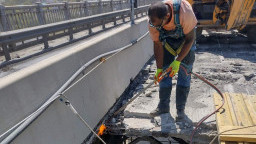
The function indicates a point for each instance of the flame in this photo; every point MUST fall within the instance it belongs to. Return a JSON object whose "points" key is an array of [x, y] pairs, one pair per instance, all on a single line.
{"points": [[102, 129]]}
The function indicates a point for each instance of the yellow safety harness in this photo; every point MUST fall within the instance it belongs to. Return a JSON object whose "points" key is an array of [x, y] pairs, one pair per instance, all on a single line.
{"points": [[171, 50]]}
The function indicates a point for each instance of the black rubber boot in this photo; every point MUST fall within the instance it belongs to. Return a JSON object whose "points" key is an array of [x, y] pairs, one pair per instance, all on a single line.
{"points": [[164, 102], [180, 115], [181, 99]]}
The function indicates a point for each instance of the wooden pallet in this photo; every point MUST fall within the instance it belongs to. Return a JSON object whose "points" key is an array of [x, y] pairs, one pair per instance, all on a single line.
{"points": [[236, 121], [223, 142]]}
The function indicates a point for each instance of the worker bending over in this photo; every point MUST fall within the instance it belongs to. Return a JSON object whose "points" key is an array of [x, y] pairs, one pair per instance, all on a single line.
{"points": [[172, 29]]}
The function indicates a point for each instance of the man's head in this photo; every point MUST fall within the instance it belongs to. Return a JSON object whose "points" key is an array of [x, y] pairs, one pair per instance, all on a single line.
{"points": [[158, 14]]}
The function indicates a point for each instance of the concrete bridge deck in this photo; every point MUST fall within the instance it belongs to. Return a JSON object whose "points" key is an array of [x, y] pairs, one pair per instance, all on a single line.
{"points": [[231, 67]]}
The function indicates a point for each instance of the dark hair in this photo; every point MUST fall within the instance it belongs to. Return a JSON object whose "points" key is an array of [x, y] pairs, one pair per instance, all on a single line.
{"points": [[158, 10]]}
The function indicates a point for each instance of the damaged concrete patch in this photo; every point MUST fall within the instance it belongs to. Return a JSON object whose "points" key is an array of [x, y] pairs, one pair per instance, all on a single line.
{"points": [[135, 126], [218, 64]]}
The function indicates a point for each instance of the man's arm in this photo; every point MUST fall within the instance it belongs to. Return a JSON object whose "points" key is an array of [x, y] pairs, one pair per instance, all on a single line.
{"points": [[189, 40], [159, 54]]}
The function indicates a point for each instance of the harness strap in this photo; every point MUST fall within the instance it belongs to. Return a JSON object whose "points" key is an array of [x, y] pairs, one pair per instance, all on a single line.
{"points": [[176, 10], [179, 31], [171, 50]]}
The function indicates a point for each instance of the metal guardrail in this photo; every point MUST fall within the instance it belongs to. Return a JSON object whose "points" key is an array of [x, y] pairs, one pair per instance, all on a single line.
{"points": [[43, 34], [19, 17]]}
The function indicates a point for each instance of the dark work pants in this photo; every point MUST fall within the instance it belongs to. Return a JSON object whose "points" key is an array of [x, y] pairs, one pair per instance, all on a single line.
{"points": [[183, 82]]}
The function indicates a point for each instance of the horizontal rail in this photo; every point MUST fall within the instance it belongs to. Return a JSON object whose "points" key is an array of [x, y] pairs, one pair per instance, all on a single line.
{"points": [[25, 16], [19, 39]]}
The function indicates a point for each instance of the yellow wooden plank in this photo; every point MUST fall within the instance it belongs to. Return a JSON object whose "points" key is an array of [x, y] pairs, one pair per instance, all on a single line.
{"points": [[217, 103], [231, 109], [228, 142], [223, 116], [253, 99], [241, 110], [250, 102], [238, 133]]}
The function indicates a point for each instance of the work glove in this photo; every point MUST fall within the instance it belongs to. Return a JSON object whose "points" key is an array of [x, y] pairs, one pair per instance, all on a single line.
{"points": [[173, 68], [158, 74]]}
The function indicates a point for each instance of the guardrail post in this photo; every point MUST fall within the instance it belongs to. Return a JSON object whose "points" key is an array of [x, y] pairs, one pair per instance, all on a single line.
{"points": [[66, 11], [121, 4], [135, 3], [112, 5], [81, 10], [3, 18], [86, 8], [40, 13], [70, 31], [89, 26], [103, 24], [132, 11], [100, 6], [123, 18], [45, 40], [6, 52]]}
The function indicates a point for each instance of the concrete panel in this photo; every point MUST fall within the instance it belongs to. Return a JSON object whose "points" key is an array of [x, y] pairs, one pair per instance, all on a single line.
{"points": [[24, 91]]}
